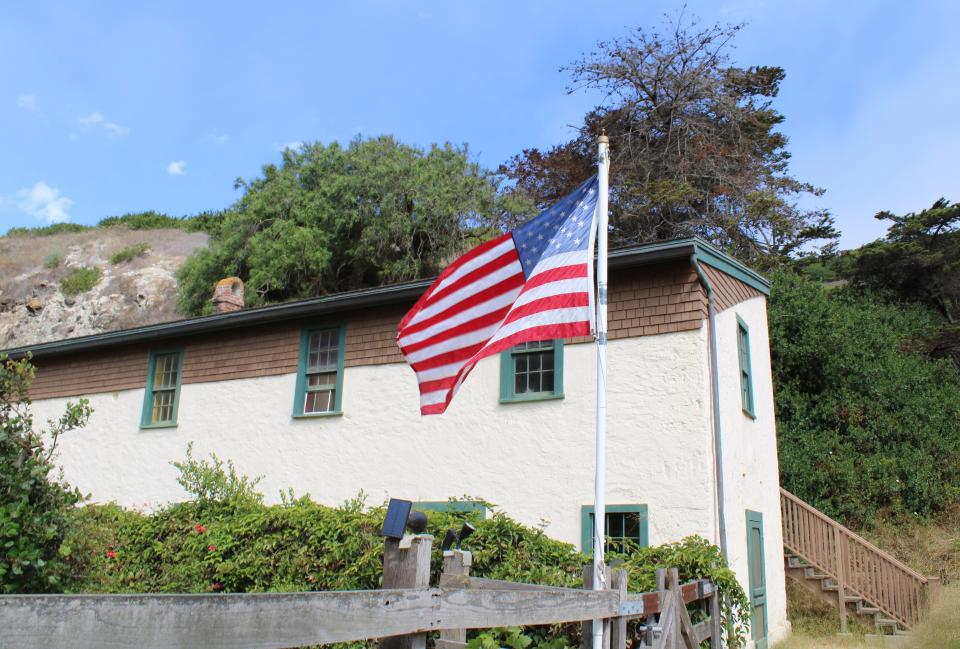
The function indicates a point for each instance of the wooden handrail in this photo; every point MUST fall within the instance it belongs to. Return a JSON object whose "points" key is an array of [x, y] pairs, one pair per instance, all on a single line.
{"points": [[857, 566]]}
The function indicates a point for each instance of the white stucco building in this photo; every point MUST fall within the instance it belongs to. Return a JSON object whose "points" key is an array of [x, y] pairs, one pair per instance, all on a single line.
{"points": [[314, 395]]}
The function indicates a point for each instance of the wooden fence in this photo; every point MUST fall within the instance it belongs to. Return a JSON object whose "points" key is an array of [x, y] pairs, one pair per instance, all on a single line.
{"points": [[859, 568], [400, 614]]}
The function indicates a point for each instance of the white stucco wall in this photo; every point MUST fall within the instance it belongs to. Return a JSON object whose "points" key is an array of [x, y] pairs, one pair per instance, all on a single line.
{"points": [[535, 460], [751, 473]]}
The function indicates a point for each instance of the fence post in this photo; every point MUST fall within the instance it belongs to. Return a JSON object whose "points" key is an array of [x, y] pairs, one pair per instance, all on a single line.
{"points": [[618, 625], [683, 627], [716, 641], [838, 541], [456, 563], [406, 566], [586, 627], [660, 575]]}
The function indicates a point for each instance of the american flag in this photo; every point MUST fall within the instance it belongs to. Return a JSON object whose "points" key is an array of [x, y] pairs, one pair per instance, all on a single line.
{"points": [[534, 283]]}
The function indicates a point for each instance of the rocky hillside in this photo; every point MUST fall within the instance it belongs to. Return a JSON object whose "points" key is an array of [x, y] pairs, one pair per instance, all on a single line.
{"points": [[80, 283]]}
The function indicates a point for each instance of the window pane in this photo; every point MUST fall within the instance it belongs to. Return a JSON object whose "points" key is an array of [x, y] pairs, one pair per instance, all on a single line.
{"points": [[165, 371], [162, 406], [520, 384], [319, 401], [537, 344], [324, 378], [631, 526], [615, 525], [322, 350], [546, 381]]}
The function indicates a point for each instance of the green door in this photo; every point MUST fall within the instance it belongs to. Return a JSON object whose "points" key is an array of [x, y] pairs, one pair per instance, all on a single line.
{"points": [[758, 579]]}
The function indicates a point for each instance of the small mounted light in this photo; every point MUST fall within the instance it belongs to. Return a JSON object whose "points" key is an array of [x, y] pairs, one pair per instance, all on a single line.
{"points": [[449, 540], [465, 531], [396, 521], [417, 522]]}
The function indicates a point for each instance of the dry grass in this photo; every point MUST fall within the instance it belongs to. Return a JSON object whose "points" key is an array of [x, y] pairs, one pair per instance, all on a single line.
{"points": [[942, 629], [932, 548]]}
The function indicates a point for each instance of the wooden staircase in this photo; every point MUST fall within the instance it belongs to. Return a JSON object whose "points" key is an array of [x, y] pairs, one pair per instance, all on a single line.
{"points": [[850, 573]]}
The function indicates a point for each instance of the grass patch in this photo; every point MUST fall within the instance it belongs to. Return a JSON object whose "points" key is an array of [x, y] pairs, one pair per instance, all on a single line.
{"points": [[129, 253], [80, 280], [53, 260]]}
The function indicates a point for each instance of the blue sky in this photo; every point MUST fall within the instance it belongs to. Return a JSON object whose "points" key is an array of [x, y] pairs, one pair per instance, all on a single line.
{"points": [[115, 107]]}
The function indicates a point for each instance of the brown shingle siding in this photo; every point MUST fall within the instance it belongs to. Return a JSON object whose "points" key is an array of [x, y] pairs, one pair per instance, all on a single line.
{"points": [[643, 301]]}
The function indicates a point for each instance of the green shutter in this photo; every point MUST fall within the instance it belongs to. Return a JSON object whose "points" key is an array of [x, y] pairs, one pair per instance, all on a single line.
{"points": [[586, 524], [746, 372], [161, 401], [300, 396], [508, 374]]}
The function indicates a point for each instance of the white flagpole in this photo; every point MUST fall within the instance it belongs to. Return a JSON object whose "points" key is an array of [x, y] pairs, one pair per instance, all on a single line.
{"points": [[599, 501]]}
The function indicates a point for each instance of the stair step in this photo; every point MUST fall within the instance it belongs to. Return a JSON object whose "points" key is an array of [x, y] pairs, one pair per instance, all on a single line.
{"points": [[867, 610], [885, 621]]}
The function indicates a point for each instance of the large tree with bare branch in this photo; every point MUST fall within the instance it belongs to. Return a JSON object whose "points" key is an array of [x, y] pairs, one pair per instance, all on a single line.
{"points": [[695, 150]]}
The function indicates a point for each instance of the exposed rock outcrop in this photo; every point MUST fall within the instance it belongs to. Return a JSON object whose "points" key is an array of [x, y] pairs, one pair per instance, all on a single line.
{"points": [[33, 307]]}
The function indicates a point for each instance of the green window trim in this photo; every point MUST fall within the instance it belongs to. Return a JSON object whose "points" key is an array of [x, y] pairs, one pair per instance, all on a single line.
{"points": [[457, 506], [586, 524], [746, 369], [508, 373], [150, 389], [302, 387]]}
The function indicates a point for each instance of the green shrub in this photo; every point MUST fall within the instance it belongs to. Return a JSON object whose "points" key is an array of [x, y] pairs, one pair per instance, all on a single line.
{"points": [[866, 423], [226, 540], [47, 230], [129, 253], [53, 260], [36, 505], [80, 280], [142, 221]]}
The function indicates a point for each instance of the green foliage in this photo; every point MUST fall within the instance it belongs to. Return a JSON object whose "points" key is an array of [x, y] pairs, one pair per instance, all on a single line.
{"points": [[35, 503], [332, 218], [129, 253], [866, 423], [80, 280], [212, 481], [143, 221], [227, 540], [47, 230], [53, 260]]}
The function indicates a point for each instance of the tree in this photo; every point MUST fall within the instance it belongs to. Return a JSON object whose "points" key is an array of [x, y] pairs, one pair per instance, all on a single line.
{"points": [[693, 144], [919, 260], [332, 218], [35, 502]]}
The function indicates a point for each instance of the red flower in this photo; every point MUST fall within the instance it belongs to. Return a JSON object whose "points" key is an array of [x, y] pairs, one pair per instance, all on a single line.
{"points": [[211, 547], [217, 585], [111, 554], [200, 528]]}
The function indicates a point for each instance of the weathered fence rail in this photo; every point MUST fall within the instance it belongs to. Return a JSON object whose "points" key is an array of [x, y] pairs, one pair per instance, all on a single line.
{"points": [[400, 616]]}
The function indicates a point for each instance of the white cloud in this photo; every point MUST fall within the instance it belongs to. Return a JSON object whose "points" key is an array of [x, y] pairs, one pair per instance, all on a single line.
{"points": [[28, 103], [177, 168], [218, 139], [97, 120], [44, 203]]}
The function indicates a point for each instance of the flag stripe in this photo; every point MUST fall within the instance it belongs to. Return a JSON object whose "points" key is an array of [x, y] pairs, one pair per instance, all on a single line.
{"points": [[534, 283]]}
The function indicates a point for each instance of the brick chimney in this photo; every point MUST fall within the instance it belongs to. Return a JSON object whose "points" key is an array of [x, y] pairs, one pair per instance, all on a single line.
{"points": [[228, 295]]}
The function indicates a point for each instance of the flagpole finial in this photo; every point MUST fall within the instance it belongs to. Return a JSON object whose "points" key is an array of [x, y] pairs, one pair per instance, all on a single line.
{"points": [[603, 137]]}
